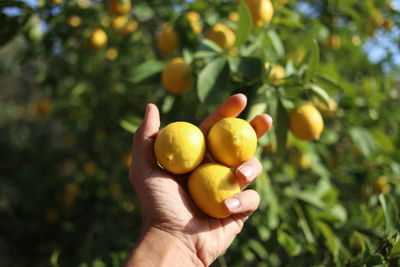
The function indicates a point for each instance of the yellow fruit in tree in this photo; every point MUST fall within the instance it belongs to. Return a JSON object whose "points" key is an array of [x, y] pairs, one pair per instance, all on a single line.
{"points": [[193, 18], [381, 186], [232, 141], [210, 185], [233, 16], [326, 110], [334, 41], [74, 21], [261, 11], [119, 7], [118, 23], [300, 160], [277, 73], [130, 27], [306, 122], [180, 147], [221, 35], [111, 53], [97, 39], [167, 41], [56, 2], [177, 76]]}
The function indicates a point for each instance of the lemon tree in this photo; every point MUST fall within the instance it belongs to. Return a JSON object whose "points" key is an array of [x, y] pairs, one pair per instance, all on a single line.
{"points": [[75, 78]]}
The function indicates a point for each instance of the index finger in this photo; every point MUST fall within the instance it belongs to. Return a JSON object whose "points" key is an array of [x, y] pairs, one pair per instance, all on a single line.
{"points": [[230, 108]]}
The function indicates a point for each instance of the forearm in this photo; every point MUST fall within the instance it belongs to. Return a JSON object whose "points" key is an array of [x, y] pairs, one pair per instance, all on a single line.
{"points": [[158, 248]]}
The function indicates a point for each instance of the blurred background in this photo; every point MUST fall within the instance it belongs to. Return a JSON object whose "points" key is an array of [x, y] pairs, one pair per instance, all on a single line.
{"points": [[76, 75]]}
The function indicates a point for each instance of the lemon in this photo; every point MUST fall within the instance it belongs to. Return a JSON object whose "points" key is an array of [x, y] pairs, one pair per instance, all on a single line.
{"points": [[221, 35], [232, 141], [306, 122], [119, 7], [277, 73], [300, 160], [111, 53], [233, 16], [193, 18], [167, 41], [326, 110], [180, 147], [381, 186], [261, 11], [97, 39], [74, 21], [334, 41], [210, 185], [177, 76]]}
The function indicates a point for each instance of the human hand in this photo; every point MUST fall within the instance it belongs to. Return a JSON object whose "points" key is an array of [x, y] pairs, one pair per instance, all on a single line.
{"points": [[169, 215]]}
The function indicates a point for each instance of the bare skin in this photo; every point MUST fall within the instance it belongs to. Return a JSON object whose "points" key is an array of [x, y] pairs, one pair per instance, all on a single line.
{"points": [[176, 232]]}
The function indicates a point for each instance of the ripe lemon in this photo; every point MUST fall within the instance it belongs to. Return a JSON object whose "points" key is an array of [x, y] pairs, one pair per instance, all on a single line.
{"points": [[232, 141], [210, 185], [300, 160], [381, 186], [180, 147], [74, 21], [261, 11], [177, 76], [325, 110], [97, 39], [119, 7], [193, 18], [277, 73], [306, 122], [334, 41], [111, 53], [221, 35], [167, 41]]}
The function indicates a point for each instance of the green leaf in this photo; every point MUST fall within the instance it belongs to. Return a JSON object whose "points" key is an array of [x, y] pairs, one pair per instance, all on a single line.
{"points": [[331, 241], [214, 76], [146, 70], [328, 84], [363, 139], [276, 43], [258, 248], [204, 54], [244, 24], [130, 124], [249, 68], [383, 140], [210, 45], [320, 93], [288, 243], [313, 61], [391, 213], [282, 127], [258, 103], [303, 223], [395, 253]]}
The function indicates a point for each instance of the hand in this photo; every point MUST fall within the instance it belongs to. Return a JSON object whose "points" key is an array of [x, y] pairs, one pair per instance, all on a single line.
{"points": [[169, 215]]}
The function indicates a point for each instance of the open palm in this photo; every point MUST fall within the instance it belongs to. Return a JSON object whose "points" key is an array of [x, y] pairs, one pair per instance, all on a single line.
{"points": [[164, 201]]}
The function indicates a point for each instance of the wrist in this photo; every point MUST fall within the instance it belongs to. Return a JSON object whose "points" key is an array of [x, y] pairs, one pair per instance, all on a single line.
{"points": [[157, 247]]}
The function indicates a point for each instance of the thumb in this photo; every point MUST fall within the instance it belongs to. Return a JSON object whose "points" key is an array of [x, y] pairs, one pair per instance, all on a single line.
{"points": [[144, 137]]}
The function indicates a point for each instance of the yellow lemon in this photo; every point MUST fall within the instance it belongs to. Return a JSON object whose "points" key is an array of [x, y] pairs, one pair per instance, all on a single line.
{"points": [[177, 76], [232, 141], [167, 41], [97, 39], [306, 122], [233, 16], [180, 147], [334, 41], [193, 18], [74, 21], [130, 27], [119, 7], [327, 110], [118, 23], [300, 160], [111, 53], [381, 186], [221, 35], [277, 73], [210, 185], [261, 11]]}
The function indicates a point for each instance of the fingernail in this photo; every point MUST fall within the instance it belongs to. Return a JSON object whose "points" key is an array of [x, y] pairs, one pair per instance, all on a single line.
{"points": [[232, 203], [247, 171]]}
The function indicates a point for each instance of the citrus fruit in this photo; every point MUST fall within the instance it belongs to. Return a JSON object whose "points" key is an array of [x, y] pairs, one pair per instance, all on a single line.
{"points": [[261, 11], [193, 18], [334, 41], [276, 74], [327, 110], [300, 160], [381, 186], [210, 185], [177, 76], [97, 39], [232, 141], [119, 7], [306, 122], [74, 21], [221, 35], [167, 41], [111, 53], [180, 147]]}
